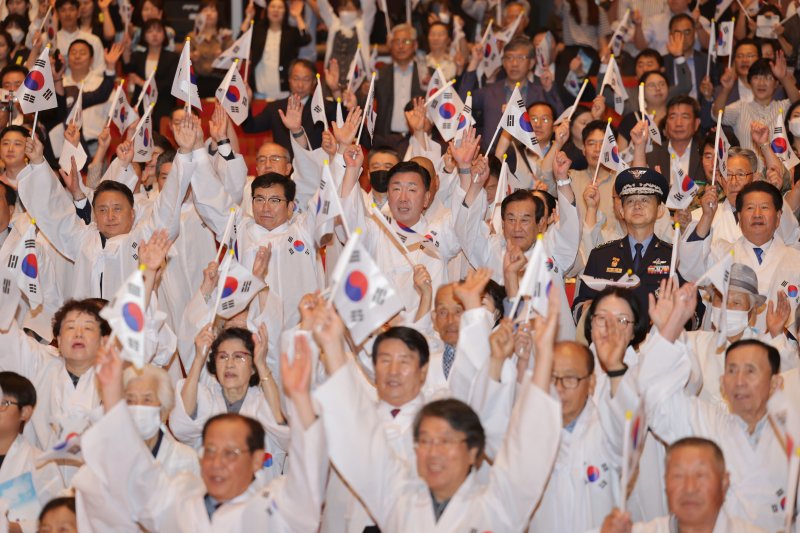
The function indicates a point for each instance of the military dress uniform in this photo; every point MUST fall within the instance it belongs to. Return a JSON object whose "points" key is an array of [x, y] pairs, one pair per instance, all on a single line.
{"points": [[613, 259]]}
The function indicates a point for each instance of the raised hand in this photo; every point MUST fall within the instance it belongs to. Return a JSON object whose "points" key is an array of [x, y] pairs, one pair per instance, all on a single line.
{"points": [[72, 181], [109, 375], [465, 152], [480, 168], [610, 340], [34, 150], [639, 134], [185, 132], [210, 279], [561, 134], [598, 107], [501, 341], [727, 79], [546, 330], [261, 262], [112, 55], [354, 156], [591, 195], [73, 134], [778, 67], [153, 253], [260, 347], [347, 133], [218, 124], [125, 152], [203, 341], [329, 331], [759, 133], [675, 44], [661, 307], [293, 118], [470, 291], [296, 375], [332, 75], [329, 143], [422, 279], [777, 315], [617, 522], [561, 166], [684, 302], [416, 117]]}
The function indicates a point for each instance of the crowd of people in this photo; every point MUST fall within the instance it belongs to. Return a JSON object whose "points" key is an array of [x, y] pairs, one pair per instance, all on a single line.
{"points": [[490, 265]]}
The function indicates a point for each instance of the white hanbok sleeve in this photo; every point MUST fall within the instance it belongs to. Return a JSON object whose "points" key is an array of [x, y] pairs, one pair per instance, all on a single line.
{"points": [[211, 200], [22, 354], [233, 174], [186, 429], [166, 210], [52, 207], [563, 239], [125, 175], [473, 232]]}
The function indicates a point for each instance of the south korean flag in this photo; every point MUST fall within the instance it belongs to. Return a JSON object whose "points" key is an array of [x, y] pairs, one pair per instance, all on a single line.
{"points": [[37, 92]]}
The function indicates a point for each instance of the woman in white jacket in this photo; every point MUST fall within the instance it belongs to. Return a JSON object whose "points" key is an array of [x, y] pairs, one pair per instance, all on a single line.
{"points": [[237, 380]]}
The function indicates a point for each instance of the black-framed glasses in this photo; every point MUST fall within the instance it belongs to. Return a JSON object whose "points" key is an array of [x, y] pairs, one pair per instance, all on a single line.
{"points": [[568, 382]]}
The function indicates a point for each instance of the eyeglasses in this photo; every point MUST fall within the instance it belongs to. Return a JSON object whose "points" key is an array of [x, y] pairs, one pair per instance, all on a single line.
{"points": [[603, 320], [525, 222], [763, 78], [273, 200], [272, 158], [238, 357], [227, 455], [515, 58], [543, 120], [5, 404], [406, 42], [447, 443], [738, 175], [568, 382]]}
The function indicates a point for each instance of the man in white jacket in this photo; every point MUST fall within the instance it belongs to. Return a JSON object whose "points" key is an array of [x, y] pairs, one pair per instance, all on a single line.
{"points": [[696, 482]]}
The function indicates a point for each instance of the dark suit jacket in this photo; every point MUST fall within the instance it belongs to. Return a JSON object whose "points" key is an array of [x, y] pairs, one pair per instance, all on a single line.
{"points": [[488, 102], [167, 67], [292, 40], [700, 61], [384, 100], [660, 156], [270, 120]]}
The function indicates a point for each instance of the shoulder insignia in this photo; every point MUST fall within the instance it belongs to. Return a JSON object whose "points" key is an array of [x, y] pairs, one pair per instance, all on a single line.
{"points": [[607, 244]]}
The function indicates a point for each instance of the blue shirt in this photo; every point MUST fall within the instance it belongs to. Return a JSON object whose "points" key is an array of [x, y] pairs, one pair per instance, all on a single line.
{"points": [[645, 244]]}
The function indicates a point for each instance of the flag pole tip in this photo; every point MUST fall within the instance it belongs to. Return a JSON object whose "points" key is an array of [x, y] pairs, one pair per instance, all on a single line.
{"points": [[374, 205], [33, 221], [357, 231], [338, 99], [505, 156], [233, 209], [629, 272], [469, 93], [641, 84], [540, 237], [517, 85], [609, 120], [325, 162], [628, 415], [317, 74], [231, 252], [677, 225]]}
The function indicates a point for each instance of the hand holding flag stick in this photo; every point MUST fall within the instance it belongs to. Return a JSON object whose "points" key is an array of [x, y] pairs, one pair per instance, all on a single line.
{"points": [[578, 99]]}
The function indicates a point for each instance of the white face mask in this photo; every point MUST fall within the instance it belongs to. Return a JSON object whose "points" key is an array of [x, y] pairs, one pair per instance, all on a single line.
{"points": [[736, 321], [348, 18], [16, 35], [147, 419], [794, 126]]}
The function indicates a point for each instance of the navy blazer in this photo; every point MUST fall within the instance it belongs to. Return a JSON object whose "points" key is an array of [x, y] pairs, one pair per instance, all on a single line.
{"points": [[700, 61], [489, 101], [270, 120]]}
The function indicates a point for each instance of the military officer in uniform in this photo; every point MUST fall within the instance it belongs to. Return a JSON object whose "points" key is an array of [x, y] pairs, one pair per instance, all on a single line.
{"points": [[642, 192]]}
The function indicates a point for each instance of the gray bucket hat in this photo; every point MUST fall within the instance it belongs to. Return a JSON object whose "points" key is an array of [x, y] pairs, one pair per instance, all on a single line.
{"points": [[743, 278]]}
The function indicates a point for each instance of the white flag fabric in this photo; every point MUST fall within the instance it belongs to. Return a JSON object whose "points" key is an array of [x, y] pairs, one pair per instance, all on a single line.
{"points": [[445, 111], [633, 443], [363, 296], [436, 82], [683, 188], [721, 6], [357, 72], [369, 109], [652, 128], [537, 281], [724, 45], [184, 84], [149, 94], [236, 287], [719, 274], [543, 52], [318, 105], [125, 12], [143, 138], [780, 144], [609, 153], [37, 92], [613, 79], [492, 58], [723, 147], [24, 263], [240, 49], [328, 204], [232, 94], [620, 34], [124, 116], [515, 121], [68, 151], [125, 314], [50, 30], [339, 113], [503, 190], [507, 34], [76, 113], [465, 119]]}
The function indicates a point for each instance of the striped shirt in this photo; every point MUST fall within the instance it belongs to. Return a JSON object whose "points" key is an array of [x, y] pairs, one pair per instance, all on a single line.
{"points": [[583, 34], [739, 115]]}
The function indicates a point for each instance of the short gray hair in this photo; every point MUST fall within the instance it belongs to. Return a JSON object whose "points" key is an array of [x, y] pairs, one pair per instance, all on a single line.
{"points": [[746, 153], [403, 27], [164, 390]]}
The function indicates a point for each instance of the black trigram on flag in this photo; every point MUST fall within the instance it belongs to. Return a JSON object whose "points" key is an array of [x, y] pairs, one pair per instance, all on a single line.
{"points": [[510, 121], [380, 296], [326, 207], [141, 151], [234, 109], [39, 63], [244, 101], [246, 286], [13, 259], [355, 257], [322, 184], [227, 305], [134, 290], [30, 243], [32, 288], [133, 344], [357, 315], [236, 49], [521, 103], [28, 97], [47, 94], [6, 286], [317, 109], [678, 196]]}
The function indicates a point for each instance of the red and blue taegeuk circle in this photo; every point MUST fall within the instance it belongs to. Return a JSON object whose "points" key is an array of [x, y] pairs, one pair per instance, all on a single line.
{"points": [[779, 145], [34, 80], [447, 111], [356, 286], [230, 286], [298, 246], [525, 122], [233, 94], [30, 266], [133, 316], [592, 473]]}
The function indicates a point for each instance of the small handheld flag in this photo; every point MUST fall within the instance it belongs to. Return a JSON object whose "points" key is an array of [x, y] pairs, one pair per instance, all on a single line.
{"points": [[240, 49], [126, 316], [143, 137], [232, 95], [780, 144], [184, 84], [37, 92], [318, 106]]}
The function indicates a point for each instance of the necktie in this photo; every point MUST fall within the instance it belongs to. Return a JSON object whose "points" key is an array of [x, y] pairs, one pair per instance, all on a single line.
{"points": [[759, 253], [394, 412], [637, 257], [447, 359]]}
